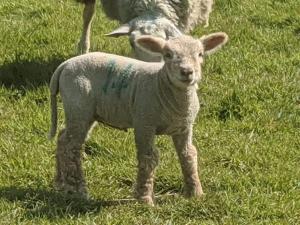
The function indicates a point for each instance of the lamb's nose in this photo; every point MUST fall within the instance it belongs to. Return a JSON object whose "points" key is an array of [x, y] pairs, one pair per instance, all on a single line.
{"points": [[186, 72]]}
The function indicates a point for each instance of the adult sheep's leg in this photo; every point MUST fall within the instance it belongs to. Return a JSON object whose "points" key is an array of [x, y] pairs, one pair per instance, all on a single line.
{"points": [[88, 13], [147, 157], [187, 154], [69, 174], [206, 8]]}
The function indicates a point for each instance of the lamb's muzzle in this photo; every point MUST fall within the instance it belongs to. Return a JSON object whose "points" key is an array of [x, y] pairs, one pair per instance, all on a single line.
{"points": [[151, 98]]}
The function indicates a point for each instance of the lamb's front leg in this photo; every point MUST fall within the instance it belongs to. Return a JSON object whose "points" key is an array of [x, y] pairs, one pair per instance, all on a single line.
{"points": [[147, 157], [187, 154]]}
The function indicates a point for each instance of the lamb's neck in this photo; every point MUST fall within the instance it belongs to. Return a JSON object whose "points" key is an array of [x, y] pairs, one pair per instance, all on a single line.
{"points": [[179, 101]]}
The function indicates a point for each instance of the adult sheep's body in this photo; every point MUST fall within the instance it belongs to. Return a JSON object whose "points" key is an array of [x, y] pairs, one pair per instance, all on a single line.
{"points": [[185, 14], [161, 18]]}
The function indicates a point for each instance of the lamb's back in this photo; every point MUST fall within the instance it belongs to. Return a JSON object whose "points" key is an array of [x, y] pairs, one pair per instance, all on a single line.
{"points": [[110, 83]]}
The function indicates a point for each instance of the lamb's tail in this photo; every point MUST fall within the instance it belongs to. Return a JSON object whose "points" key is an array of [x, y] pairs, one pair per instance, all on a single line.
{"points": [[54, 88]]}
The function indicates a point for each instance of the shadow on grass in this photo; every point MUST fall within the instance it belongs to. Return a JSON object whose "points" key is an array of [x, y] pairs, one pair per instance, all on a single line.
{"points": [[50, 204], [26, 75]]}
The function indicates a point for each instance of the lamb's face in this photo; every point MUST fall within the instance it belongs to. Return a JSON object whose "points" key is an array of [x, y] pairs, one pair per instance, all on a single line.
{"points": [[183, 57]]}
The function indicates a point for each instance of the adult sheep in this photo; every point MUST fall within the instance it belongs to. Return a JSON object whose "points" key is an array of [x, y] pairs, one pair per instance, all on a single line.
{"points": [[152, 98], [161, 18]]}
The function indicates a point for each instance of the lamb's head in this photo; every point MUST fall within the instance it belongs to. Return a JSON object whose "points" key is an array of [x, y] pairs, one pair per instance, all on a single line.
{"points": [[146, 25], [183, 55]]}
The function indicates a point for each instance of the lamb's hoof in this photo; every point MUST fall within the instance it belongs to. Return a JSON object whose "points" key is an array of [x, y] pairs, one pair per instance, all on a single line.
{"points": [[193, 193], [148, 200]]}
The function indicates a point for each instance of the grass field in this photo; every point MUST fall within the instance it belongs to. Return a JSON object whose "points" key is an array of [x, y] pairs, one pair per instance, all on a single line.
{"points": [[247, 132]]}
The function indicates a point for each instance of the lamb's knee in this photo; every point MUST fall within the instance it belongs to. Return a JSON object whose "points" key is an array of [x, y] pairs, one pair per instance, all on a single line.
{"points": [[69, 142], [155, 158], [188, 156], [148, 160], [68, 158], [192, 151]]}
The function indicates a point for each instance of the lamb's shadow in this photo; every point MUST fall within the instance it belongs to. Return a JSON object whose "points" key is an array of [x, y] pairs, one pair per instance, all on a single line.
{"points": [[51, 204], [27, 74]]}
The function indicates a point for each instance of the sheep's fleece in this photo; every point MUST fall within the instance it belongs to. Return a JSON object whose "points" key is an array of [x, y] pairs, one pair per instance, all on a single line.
{"points": [[161, 18], [185, 14], [125, 90]]}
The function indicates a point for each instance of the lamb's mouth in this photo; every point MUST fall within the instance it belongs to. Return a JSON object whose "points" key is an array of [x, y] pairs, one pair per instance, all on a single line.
{"points": [[187, 80]]}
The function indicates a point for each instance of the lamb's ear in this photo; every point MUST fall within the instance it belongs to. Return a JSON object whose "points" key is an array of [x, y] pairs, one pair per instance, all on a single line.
{"points": [[213, 42], [124, 29], [151, 44]]}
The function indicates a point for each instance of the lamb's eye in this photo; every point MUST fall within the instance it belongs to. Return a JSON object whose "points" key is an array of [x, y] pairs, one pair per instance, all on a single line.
{"points": [[169, 55], [201, 54]]}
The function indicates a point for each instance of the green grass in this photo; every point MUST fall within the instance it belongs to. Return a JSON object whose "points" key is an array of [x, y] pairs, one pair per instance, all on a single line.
{"points": [[247, 132]]}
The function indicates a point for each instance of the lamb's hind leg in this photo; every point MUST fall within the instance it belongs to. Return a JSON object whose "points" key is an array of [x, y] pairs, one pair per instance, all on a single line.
{"points": [[69, 174], [187, 154], [88, 13]]}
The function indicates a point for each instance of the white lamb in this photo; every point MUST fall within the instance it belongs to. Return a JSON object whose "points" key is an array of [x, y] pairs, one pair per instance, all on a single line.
{"points": [[161, 18], [152, 98]]}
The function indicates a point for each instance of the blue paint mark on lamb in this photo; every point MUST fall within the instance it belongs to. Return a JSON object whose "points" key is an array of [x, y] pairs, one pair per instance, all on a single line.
{"points": [[122, 80]]}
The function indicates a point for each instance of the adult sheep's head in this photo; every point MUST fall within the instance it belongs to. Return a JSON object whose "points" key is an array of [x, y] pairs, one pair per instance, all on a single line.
{"points": [[183, 55], [146, 25]]}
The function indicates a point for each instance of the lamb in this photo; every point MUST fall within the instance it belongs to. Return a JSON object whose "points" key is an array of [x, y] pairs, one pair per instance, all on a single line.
{"points": [[161, 18], [152, 98]]}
